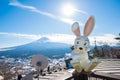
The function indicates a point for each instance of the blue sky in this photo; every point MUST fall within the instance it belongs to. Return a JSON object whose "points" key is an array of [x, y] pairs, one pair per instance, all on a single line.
{"points": [[31, 18]]}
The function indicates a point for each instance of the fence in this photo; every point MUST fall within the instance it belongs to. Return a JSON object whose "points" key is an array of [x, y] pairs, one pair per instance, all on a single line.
{"points": [[108, 69]]}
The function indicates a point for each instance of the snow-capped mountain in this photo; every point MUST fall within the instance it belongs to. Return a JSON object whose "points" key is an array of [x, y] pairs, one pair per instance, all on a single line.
{"points": [[42, 46]]}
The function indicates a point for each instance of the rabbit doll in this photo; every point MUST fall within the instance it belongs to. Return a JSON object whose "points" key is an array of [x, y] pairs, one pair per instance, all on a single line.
{"points": [[80, 60]]}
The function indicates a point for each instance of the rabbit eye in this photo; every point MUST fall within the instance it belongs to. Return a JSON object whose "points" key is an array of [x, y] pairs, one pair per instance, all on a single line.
{"points": [[85, 43], [77, 42]]}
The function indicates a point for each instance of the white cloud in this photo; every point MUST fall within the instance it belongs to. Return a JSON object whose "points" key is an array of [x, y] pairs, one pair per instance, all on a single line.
{"points": [[4, 33], [31, 8], [62, 38], [104, 39], [26, 36], [6, 49], [48, 14], [67, 20], [69, 9], [16, 3], [65, 38], [81, 11]]}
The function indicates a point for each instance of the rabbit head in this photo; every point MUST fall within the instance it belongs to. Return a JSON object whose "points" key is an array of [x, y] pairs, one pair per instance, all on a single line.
{"points": [[82, 44]]}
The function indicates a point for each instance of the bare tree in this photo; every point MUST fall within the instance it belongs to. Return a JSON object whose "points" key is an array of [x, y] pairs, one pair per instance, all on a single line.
{"points": [[5, 72]]}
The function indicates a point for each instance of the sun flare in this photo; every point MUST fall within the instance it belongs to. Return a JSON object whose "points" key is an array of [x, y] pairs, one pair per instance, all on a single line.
{"points": [[68, 10]]}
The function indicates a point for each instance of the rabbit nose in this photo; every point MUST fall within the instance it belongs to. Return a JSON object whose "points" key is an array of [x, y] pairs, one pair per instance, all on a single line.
{"points": [[80, 48]]}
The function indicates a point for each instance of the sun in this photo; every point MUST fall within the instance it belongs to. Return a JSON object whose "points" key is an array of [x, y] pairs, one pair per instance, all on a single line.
{"points": [[67, 10]]}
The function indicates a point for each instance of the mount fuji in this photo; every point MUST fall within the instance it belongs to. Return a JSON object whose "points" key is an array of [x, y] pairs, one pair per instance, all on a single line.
{"points": [[42, 46]]}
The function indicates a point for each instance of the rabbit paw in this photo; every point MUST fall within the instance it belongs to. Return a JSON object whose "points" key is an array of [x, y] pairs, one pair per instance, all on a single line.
{"points": [[77, 66], [92, 65]]}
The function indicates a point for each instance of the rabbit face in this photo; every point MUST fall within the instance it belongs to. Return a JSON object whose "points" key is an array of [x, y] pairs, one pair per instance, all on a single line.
{"points": [[81, 45]]}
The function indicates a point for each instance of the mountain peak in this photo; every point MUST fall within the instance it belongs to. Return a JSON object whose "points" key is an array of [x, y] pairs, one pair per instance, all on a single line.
{"points": [[43, 39]]}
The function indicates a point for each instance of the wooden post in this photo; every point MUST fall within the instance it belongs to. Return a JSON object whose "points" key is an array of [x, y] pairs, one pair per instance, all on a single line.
{"points": [[80, 76]]}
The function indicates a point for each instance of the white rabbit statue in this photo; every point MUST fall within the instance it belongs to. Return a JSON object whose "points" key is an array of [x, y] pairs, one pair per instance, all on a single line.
{"points": [[80, 60]]}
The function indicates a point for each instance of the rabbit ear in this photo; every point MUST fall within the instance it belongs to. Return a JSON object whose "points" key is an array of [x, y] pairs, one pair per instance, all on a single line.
{"points": [[89, 26], [76, 29]]}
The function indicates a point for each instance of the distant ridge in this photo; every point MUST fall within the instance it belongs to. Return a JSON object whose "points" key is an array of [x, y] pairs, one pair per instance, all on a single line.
{"points": [[41, 46]]}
